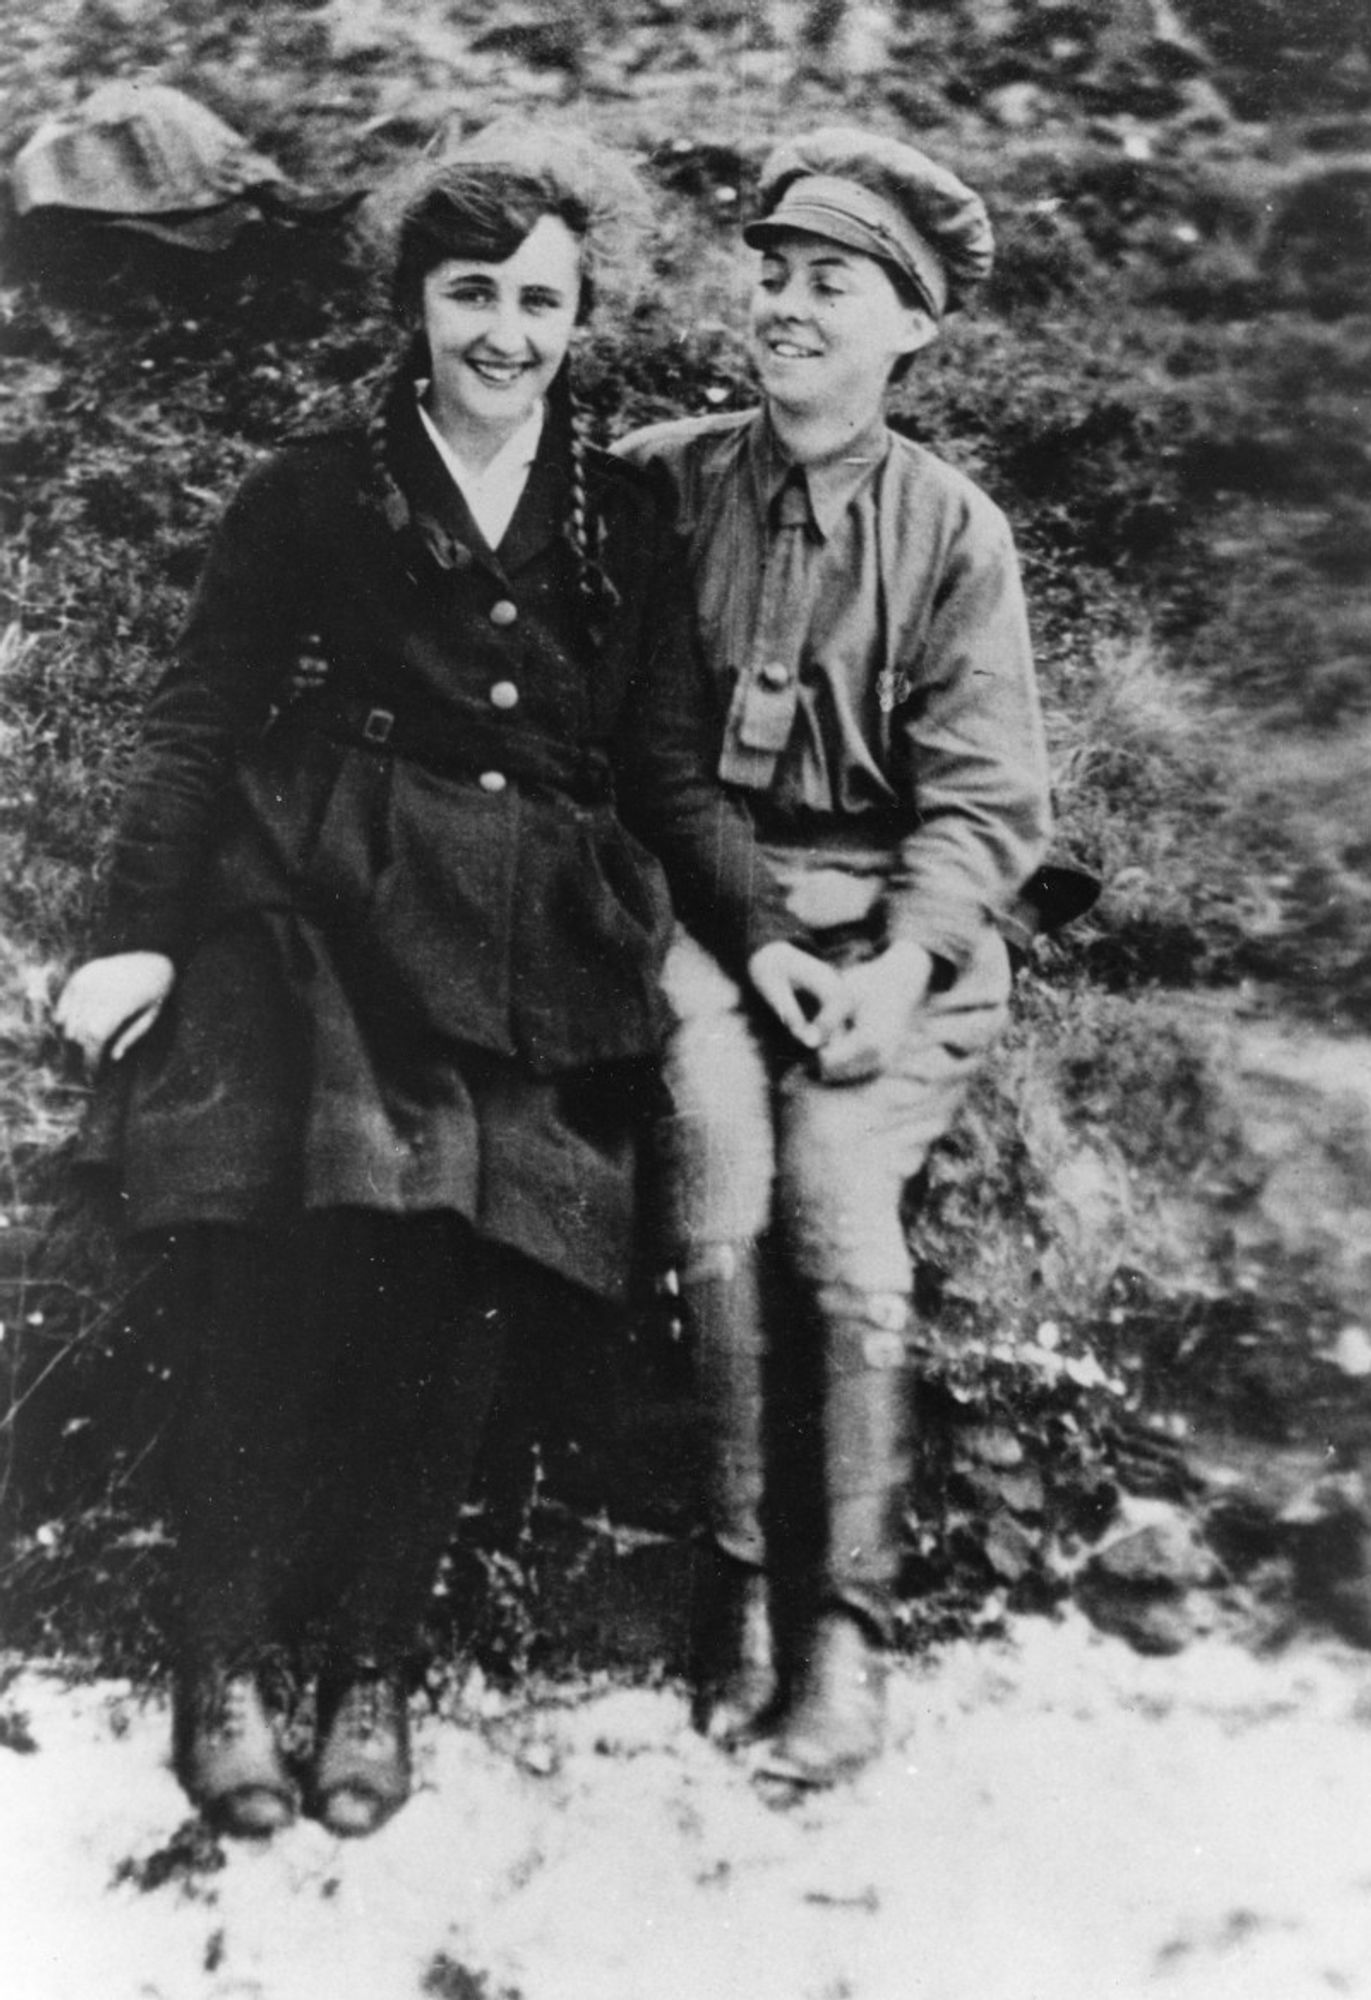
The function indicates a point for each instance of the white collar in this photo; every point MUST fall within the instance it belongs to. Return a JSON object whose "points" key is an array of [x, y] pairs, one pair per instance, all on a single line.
{"points": [[493, 491]]}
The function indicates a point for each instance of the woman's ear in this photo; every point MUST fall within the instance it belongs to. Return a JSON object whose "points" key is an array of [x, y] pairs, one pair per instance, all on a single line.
{"points": [[919, 329]]}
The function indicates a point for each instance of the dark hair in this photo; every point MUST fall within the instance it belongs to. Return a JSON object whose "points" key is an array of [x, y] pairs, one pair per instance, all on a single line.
{"points": [[479, 199], [913, 299], [482, 210]]}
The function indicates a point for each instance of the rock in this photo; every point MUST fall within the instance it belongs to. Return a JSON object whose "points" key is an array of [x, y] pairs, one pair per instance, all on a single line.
{"points": [[1022, 1492], [1144, 1584], [1169, 1553], [991, 1445], [138, 155], [1010, 1550], [1151, 1624]]}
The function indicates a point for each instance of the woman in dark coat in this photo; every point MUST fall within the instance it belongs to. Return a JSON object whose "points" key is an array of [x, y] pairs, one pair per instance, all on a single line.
{"points": [[377, 970]]}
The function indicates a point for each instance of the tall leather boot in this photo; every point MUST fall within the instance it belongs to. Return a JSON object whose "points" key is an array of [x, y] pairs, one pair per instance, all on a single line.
{"points": [[835, 1714], [734, 1665]]}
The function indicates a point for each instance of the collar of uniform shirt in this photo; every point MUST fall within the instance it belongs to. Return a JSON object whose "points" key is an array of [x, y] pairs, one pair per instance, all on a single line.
{"points": [[493, 493], [831, 482]]}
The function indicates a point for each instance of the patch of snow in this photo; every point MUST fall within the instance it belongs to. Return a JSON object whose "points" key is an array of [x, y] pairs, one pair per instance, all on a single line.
{"points": [[1054, 1816]]}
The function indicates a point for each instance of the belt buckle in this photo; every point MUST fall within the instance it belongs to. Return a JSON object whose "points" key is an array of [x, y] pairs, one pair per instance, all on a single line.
{"points": [[378, 725]]}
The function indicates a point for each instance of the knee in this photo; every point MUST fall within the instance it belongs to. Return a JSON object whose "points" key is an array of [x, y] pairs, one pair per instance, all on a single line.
{"points": [[719, 1176], [716, 1141], [842, 1225]]}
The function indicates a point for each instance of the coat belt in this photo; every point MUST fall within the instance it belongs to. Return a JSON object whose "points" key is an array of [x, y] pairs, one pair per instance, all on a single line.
{"points": [[461, 740]]}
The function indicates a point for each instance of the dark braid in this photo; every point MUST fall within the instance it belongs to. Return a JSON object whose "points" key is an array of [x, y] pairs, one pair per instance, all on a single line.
{"points": [[585, 528], [396, 381]]}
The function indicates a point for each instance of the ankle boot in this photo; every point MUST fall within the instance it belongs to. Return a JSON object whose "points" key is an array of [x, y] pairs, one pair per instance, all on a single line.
{"points": [[733, 1663], [362, 1767], [226, 1754], [834, 1716], [834, 1721]]}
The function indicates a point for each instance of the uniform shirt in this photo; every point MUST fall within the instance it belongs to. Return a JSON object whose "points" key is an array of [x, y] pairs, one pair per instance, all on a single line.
{"points": [[872, 663]]}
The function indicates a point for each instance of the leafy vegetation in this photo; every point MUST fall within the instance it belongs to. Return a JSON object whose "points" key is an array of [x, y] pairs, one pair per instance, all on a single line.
{"points": [[1165, 389]]}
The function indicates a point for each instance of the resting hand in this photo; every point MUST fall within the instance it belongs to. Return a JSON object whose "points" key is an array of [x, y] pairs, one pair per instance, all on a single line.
{"points": [[881, 997], [109, 1004], [804, 993]]}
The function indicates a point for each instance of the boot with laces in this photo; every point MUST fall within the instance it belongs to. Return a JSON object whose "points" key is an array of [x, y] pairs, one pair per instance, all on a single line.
{"points": [[226, 1753], [362, 1769]]}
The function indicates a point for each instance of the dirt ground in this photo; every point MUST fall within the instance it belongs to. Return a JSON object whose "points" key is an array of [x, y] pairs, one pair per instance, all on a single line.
{"points": [[1055, 1816]]}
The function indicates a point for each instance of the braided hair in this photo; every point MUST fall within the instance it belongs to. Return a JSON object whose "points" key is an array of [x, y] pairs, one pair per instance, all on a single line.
{"points": [[585, 526]]}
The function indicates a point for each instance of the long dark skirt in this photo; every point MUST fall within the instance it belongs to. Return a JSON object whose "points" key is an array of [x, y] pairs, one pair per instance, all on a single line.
{"points": [[266, 1090]]}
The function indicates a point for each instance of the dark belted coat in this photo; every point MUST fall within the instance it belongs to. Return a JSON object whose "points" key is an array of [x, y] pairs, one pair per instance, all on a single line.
{"points": [[417, 917]]}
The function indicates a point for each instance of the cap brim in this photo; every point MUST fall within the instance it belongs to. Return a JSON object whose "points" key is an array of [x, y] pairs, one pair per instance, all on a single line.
{"points": [[832, 224], [817, 219]]}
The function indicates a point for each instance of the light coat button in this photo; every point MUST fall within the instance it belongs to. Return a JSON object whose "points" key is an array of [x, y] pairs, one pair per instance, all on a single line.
{"points": [[504, 694], [502, 612], [775, 674], [492, 781]]}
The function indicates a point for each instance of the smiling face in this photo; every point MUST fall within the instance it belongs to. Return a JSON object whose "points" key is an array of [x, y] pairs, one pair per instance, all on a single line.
{"points": [[828, 325], [497, 334]]}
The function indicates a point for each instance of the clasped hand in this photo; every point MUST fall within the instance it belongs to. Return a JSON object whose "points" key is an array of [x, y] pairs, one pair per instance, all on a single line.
{"points": [[854, 1019], [110, 1003]]}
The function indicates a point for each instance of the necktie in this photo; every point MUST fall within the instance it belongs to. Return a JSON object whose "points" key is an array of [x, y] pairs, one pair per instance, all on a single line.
{"points": [[762, 713]]}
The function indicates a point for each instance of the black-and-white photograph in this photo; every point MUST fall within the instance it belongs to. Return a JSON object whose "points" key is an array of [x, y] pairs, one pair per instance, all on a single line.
{"points": [[685, 1000]]}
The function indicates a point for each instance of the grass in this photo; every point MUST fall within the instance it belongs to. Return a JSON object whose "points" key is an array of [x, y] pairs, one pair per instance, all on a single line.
{"points": [[1166, 391]]}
